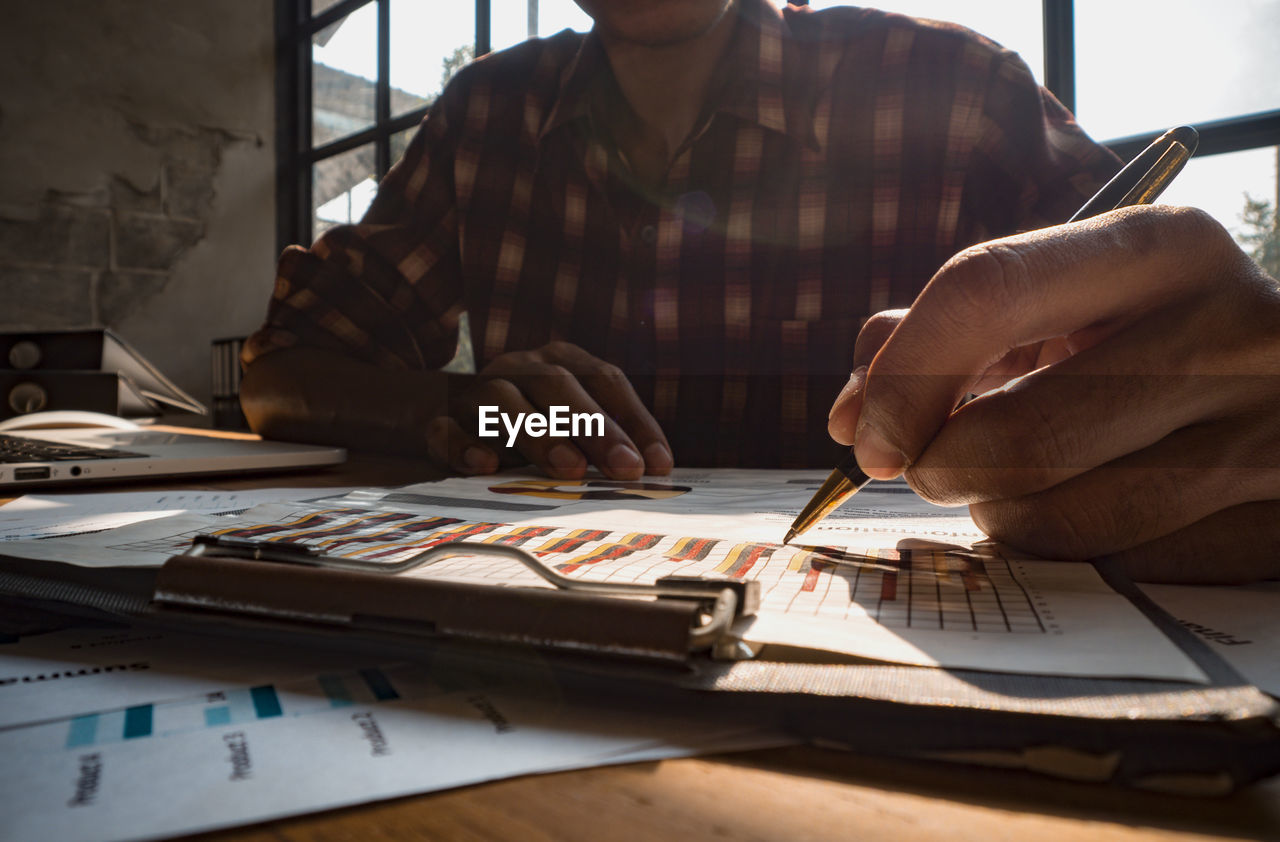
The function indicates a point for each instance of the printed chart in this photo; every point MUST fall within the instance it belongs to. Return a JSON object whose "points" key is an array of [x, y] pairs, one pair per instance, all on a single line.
{"points": [[913, 599], [250, 753], [230, 707], [929, 588]]}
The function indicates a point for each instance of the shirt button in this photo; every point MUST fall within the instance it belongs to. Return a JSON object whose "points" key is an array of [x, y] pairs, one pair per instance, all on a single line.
{"points": [[649, 235]]}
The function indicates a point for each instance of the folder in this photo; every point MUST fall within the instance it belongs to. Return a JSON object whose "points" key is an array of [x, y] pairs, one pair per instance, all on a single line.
{"points": [[96, 391], [669, 642], [84, 369]]}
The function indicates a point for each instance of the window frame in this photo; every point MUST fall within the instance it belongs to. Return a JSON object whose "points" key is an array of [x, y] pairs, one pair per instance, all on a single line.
{"points": [[295, 156], [295, 27]]}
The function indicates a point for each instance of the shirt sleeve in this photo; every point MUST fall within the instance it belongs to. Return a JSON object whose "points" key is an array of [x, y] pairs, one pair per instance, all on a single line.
{"points": [[386, 290], [1033, 166]]}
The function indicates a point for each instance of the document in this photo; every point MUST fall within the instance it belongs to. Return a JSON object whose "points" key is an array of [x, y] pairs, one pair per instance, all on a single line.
{"points": [[252, 748], [42, 515], [890, 577], [60, 674], [1241, 624]]}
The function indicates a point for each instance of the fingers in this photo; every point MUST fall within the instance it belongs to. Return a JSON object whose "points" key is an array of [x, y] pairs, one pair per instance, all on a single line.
{"points": [[502, 399], [616, 396], [874, 334], [1143, 497], [611, 449], [617, 433], [992, 299], [1063, 420], [1194, 554], [451, 445], [843, 418]]}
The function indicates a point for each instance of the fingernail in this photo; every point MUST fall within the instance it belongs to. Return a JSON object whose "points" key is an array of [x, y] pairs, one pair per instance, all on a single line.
{"points": [[623, 458], [657, 459], [562, 457], [476, 459], [841, 419], [875, 455], [850, 388]]}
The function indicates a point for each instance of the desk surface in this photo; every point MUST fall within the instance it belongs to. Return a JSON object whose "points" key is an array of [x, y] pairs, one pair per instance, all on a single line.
{"points": [[794, 794], [786, 794]]}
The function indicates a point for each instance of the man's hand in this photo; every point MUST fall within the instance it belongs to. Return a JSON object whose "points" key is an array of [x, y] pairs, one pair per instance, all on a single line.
{"points": [[1135, 362], [558, 374]]}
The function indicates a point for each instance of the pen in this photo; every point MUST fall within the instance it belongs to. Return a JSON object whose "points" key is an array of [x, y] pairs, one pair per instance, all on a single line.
{"points": [[1138, 183]]}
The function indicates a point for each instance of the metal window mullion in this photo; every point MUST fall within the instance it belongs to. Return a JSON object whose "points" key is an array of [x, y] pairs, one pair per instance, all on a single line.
{"points": [[346, 143], [407, 120], [483, 38], [331, 15], [293, 123], [1060, 51], [305, 119], [1217, 137], [382, 93], [286, 119], [343, 144]]}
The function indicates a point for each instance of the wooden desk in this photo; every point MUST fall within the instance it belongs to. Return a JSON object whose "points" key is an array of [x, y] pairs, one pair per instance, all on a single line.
{"points": [[785, 794]]}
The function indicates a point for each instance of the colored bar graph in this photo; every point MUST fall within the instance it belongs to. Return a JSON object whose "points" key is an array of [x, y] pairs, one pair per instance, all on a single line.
{"points": [[573, 541], [379, 685], [974, 572], [83, 731], [265, 701], [231, 708], [941, 568], [889, 584], [137, 721], [335, 690], [692, 549], [811, 578], [632, 543], [217, 717], [743, 557]]}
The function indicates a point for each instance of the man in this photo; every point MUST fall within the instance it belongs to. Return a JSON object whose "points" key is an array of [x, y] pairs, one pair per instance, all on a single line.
{"points": [[682, 222]]}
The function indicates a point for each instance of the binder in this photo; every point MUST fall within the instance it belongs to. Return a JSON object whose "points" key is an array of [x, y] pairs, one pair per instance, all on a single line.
{"points": [[97, 391], [669, 643], [84, 369]]}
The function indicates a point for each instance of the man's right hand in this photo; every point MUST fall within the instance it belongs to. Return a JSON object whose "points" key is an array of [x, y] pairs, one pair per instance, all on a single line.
{"points": [[557, 374]]}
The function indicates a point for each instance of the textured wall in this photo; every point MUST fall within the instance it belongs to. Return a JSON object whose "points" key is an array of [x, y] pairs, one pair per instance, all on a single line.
{"points": [[137, 172]]}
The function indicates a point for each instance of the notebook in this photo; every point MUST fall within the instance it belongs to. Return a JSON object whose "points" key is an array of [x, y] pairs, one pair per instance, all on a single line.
{"points": [[32, 458]]}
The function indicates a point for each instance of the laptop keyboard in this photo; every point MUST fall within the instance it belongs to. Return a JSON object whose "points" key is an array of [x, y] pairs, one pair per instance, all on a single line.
{"points": [[21, 449]]}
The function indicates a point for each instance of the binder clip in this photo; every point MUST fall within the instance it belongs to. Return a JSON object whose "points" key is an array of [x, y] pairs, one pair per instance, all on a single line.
{"points": [[672, 619]]}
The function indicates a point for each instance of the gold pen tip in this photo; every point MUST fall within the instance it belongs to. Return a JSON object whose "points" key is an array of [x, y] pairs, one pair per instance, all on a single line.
{"points": [[791, 533]]}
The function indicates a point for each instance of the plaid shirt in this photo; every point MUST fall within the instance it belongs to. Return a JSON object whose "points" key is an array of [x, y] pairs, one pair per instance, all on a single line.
{"points": [[842, 157]]}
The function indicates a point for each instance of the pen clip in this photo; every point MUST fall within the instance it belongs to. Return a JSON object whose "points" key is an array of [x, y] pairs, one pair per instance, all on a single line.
{"points": [[1144, 178], [1156, 179]]}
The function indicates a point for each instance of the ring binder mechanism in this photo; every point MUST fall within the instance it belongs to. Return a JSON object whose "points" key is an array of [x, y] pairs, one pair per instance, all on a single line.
{"points": [[672, 619]]}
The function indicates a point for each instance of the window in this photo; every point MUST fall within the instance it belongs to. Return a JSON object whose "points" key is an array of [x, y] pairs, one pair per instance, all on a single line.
{"points": [[356, 76], [1213, 67], [354, 79]]}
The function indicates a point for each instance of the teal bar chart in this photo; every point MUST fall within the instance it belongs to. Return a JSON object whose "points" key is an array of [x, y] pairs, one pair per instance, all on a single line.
{"points": [[231, 707]]}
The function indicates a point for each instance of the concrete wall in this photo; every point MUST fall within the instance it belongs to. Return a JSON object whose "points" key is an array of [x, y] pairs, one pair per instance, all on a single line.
{"points": [[137, 172]]}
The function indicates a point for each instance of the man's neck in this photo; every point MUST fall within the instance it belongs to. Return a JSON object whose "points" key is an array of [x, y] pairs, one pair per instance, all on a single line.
{"points": [[665, 87]]}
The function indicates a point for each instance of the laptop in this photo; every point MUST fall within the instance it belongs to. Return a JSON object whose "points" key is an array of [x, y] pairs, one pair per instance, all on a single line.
{"points": [[36, 457]]}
